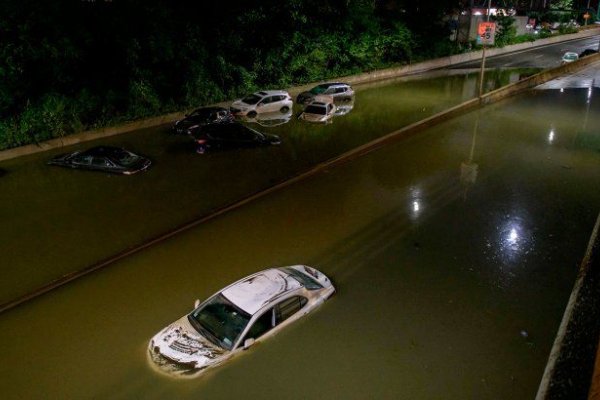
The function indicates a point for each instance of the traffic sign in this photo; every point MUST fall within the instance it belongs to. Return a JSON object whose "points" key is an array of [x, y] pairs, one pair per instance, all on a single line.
{"points": [[486, 32]]}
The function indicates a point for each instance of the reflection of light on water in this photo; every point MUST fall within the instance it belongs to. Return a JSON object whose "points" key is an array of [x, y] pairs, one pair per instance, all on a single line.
{"points": [[551, 136], [562, 90], [415, 206], [509, 249], [513, 236], [416, 203], [589, 95]]}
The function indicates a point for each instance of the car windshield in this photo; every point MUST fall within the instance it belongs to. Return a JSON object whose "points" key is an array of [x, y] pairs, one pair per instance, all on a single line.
{"points": [[124, 157], [220, 321], [201, 113], [305, 280], [315, 110], [319, 89], [251, 99]]}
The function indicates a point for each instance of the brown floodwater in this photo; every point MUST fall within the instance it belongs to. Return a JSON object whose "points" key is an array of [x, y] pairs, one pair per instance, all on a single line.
{"points": [[453, 251], [56, 221]]}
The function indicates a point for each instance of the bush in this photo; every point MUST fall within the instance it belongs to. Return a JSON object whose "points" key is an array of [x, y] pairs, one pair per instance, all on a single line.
{"points": [[143, 100]]}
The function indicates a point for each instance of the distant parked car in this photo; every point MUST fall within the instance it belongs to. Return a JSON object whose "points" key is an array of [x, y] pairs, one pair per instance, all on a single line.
{"points": [[202, 117], [339, 91], [587, 52], [262, 102], [103, 158], [569, 57], [321, 109], [246, 312], [231, 135], [269, 119]]}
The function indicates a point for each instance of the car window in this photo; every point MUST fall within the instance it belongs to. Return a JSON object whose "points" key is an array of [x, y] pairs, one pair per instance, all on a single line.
{"points": [[318, 89], [312, 109], [267, 100], [200, 113], [252, 99], [220, 321], [101, 162], [82, 160], [274, 316], [125, 158], [304, 279], [330, 91], [262, 325], [340, 90], [288, 307]]}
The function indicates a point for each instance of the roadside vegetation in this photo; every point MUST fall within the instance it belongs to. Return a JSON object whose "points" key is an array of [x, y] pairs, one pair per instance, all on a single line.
{"points": [[68, 66]]}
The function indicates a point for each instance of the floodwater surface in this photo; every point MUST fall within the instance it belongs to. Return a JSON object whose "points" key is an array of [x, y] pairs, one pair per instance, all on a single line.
{"points": [[56, 221], [454, 253]]}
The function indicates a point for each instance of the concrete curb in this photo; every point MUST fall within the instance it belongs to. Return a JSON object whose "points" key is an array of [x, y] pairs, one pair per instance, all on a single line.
{"points": [[353, 79], [570, 366]]}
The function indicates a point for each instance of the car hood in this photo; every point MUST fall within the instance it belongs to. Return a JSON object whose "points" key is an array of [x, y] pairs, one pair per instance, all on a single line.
{"points": [[240, 103], [182, 344]]}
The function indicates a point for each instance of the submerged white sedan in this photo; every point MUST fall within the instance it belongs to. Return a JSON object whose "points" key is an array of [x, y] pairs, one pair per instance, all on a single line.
{"points": [[236, 317]]}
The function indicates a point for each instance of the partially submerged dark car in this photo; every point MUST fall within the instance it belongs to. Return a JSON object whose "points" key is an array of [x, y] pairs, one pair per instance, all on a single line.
{"points": [[231, 135], [587, 52], [202, 117], [103, 158]]}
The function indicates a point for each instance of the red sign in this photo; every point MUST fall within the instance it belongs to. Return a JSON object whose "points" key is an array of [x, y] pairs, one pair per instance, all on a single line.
{"points": [[487, 32]]}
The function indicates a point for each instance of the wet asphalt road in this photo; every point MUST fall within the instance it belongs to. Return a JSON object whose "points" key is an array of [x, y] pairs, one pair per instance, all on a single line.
{"points": [[541, 57]]}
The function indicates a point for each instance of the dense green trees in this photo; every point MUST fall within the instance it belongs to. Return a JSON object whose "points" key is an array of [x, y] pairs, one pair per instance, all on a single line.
{"points": [[69, 65]]}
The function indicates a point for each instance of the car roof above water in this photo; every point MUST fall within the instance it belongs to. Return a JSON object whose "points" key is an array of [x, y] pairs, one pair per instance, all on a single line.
{"points": [[104, 151], [271, 92], [253, 292]]}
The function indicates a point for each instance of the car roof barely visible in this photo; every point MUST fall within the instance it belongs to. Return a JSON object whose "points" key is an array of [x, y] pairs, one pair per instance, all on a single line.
{"points": [[252, 293], [272, 92], [102, 151]]}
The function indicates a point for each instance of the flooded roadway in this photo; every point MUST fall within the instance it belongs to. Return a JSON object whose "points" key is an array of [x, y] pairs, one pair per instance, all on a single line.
{"points": [[56, 221], [454, 252]]}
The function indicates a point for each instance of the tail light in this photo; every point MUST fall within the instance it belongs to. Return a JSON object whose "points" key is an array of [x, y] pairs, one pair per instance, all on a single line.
{"points": [[201, 141]]}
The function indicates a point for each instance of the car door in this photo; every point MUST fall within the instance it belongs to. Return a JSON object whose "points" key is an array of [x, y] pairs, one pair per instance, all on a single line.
{"points": [[274, 317], [266, 104]]}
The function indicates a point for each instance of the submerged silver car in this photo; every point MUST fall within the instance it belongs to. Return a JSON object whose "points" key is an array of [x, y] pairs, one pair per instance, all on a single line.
{"points": [[321, 109], [233, 319]]}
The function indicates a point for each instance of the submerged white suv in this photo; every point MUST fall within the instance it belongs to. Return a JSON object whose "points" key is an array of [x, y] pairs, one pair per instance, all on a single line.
{"points": [[262, 102]]}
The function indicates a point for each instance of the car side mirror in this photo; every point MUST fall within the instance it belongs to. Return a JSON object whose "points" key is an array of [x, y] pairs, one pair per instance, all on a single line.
{"points": [[196, 303], [248, 342]]}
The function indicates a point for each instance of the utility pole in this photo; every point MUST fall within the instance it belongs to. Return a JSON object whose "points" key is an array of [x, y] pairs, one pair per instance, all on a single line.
{"points": [[483, 55]]}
